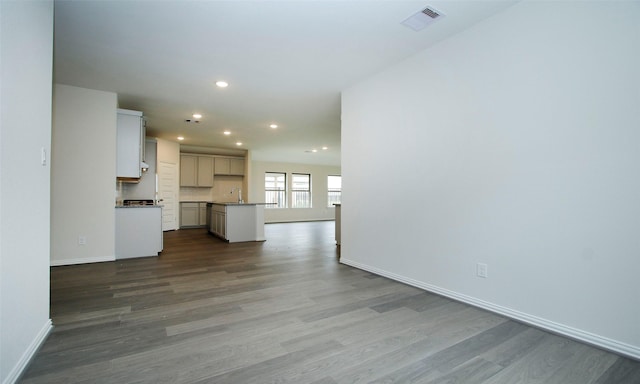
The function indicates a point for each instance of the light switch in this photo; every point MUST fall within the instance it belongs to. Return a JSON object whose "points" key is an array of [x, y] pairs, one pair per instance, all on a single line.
{"points": [[43, 156]]}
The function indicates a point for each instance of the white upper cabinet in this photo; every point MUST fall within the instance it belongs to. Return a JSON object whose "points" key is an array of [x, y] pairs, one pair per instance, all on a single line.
{"points": [[196, 171], [130, 143], [229, 166], [236, 166]]}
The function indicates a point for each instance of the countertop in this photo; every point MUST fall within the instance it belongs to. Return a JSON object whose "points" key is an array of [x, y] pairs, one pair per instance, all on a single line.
{"points": [[139, 206]]}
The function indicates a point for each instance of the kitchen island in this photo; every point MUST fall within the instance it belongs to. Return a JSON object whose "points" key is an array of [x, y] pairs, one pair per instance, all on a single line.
{"points": [[236, 222], [338, 222]]}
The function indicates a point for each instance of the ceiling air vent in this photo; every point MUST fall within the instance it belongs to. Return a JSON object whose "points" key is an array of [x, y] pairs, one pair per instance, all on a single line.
{"points": [[431, 13], [421, 19]]}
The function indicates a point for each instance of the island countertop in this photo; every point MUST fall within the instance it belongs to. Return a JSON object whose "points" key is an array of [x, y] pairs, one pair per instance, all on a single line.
{"points": [[234, 203], [236, 222]]}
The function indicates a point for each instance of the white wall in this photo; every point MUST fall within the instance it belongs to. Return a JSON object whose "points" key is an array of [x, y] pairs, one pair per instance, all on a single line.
{"points": [[319, 174], [516, 144], [83, 173], [26, 52], [168, 151]]}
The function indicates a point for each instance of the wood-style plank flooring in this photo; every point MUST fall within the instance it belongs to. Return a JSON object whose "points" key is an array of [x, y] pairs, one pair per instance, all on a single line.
{"points": [[285, 311]]}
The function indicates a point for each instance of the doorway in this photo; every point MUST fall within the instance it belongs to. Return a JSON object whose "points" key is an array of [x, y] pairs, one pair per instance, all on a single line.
{"points": [[168, 194]]}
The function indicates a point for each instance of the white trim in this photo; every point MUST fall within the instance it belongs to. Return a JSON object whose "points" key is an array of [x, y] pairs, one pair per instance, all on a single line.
{"points": [[83, 260], [297, 220], [564, 330], [29, 353]]}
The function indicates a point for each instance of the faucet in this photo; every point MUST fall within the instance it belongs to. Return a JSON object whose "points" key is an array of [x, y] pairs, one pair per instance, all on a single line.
{"points": [[240, 201]]}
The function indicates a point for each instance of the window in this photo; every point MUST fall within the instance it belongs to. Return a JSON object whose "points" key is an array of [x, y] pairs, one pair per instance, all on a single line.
{"points": [[275, 190], [334, 190], [300, 190]]}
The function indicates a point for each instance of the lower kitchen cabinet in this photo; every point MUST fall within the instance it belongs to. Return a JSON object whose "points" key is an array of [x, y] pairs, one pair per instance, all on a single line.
{"points": [[218, 220], [138, 231], [193, 214], [202, 216]]}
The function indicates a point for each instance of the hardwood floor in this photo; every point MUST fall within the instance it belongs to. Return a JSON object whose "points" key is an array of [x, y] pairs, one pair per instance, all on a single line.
{"points": [[285, 311]]}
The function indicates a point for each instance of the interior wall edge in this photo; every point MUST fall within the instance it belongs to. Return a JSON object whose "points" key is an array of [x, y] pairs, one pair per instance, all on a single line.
{"points": [[29, 353], [606, 343]]}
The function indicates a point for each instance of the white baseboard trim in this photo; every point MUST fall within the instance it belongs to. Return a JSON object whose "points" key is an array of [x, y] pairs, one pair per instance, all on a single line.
{"points": [[29, 353], [551, 326], [84, 260]]}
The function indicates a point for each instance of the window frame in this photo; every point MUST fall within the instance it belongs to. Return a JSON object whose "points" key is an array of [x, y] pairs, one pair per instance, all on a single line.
{"points": [[294, 192], [282, 203], [331, 201]]}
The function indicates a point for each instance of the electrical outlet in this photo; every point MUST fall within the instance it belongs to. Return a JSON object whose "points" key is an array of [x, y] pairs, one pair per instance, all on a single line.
{"points": [[82, 240], [482, 270]]}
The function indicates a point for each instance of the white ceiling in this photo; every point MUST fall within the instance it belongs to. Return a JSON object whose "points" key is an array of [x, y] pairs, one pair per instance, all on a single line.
{"points": [[286, 63]]}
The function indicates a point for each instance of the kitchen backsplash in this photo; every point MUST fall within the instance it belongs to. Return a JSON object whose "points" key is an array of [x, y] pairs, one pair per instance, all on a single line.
{"points": [[221, 191], [195, 194]]}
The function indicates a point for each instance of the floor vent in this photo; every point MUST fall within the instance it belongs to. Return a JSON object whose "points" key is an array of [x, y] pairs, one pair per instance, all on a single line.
{"points": [[422, 19]]}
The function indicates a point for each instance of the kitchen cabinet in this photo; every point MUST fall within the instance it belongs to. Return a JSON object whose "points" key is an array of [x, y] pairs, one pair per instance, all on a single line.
{"points": [[193, 214], [202, 208], [229, 166], [138, 231], [130, 134], [218, 220], [188, 169], [189, 215], [196, 171]]}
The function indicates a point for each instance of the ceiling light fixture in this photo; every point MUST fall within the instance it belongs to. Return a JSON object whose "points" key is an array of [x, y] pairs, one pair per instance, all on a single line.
{"points": [[222, 84], [239, 143], [314, 150], [274, 126], [227, 133], [180, 138], [197, 115], [325, 148]]}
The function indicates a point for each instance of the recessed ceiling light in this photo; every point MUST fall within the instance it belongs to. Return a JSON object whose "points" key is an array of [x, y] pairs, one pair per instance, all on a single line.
{"points": [[274, 126], [222, 84], [197, 115], [180, 138], [239, 143], [227, 133], [314, 150], [325, 148]]}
